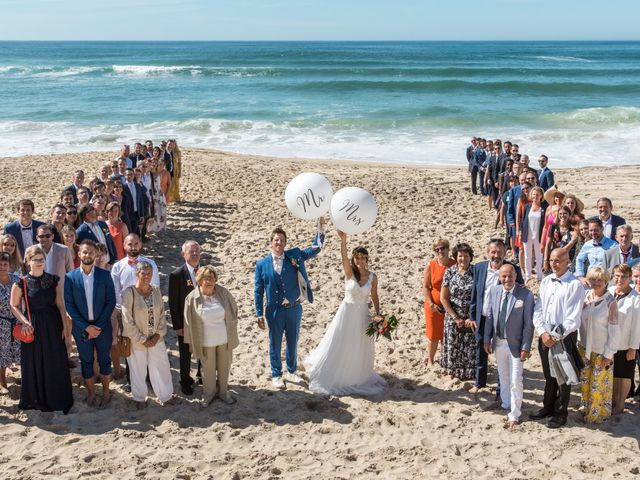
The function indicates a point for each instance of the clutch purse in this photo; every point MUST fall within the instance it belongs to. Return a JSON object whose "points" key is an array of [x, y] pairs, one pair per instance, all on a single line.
{"points": [[17, 330]]}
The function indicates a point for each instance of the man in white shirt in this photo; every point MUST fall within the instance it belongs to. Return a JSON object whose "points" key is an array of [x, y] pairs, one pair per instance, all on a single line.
{"points": [[559, 310], [123, 272]]}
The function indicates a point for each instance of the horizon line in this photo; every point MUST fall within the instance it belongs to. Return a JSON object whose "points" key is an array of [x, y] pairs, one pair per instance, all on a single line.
{"points": [[323, 41]]}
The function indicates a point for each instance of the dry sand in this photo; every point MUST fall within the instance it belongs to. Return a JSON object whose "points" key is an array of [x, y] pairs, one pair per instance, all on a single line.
{"points": [[425, 426]]}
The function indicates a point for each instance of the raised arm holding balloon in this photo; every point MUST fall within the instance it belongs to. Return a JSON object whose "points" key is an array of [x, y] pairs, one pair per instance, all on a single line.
{"points": [[342, 363]]}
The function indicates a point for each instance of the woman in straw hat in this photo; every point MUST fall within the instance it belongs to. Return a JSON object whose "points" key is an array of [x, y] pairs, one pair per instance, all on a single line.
{"points": [[554, 199]]}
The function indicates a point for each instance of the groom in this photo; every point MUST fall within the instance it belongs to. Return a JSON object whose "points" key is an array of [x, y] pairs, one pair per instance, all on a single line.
{"points": [[283, 277]]}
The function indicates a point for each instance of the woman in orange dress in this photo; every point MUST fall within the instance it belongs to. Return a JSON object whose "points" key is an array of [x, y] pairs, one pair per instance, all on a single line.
{"points": [[522, 202], [433, 310], [117, 228]]}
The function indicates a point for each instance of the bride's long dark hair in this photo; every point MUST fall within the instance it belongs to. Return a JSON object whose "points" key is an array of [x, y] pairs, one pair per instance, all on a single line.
{"points": [[354, 269]]}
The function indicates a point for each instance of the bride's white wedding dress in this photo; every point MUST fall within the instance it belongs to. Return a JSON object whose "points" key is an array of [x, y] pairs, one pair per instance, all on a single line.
{"points": [[342, 364]]}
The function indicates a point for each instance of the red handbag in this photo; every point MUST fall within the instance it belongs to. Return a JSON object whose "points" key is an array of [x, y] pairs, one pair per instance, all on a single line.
{"points": [[17, 330]]}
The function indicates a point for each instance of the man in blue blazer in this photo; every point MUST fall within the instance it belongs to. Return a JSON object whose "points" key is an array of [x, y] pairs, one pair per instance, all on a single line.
{"points": [[508, 332], [25, 228], [485, 275], [95, 230], [89, 297], [282, 276], [139, 202], [545, 176]]}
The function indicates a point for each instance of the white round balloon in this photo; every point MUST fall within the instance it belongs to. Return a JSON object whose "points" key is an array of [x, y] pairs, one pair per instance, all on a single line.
{"points": [[353, 210], [308, 196]]}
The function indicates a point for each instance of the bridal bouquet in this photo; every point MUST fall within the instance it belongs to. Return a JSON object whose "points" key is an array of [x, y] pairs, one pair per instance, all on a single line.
{"points": [[381, 326]]}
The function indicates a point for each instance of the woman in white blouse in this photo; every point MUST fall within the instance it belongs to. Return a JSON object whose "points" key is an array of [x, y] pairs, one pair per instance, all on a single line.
{"points": [[211, 330], [144, 322], [597, 343], [629, 324]]}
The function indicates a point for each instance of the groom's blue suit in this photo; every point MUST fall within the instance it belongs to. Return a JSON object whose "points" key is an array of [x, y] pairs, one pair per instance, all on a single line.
{"points": [[283, 310]]}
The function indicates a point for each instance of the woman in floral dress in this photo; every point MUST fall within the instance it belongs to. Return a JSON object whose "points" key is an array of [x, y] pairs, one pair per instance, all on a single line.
{"points": [[459, 345]]}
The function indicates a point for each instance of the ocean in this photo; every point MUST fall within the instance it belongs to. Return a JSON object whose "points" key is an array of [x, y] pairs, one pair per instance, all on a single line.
{"points": [[402, 102]]}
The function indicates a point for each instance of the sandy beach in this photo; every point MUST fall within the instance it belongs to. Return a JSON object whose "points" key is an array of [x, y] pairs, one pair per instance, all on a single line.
{"points": [[424, 427]]}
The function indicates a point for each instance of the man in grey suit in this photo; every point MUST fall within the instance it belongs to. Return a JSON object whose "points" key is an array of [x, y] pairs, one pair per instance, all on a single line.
{"points": [[58, 261], [508, 332], [625, 252]]}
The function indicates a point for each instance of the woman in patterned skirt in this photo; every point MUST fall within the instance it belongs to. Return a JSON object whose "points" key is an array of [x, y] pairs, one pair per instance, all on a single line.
{"points": [[597, 343], [459, 345], [9, 346]]}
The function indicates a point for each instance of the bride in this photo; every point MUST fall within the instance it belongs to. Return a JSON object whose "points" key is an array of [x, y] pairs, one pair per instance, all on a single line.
{"points": [[342, 364]]}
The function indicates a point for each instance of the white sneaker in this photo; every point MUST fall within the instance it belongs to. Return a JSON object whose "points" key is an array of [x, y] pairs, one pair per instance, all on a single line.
{"points": [[278, 383], [294, 378]]}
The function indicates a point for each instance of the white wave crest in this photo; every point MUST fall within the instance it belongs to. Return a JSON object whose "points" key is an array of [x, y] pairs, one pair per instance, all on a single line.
{"points": [[560, 58], [144, 70], [308, 139]]}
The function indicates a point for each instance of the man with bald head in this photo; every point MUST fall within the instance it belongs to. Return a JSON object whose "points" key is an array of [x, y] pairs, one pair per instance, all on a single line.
{"points": [[556, 319], [508, 332]]}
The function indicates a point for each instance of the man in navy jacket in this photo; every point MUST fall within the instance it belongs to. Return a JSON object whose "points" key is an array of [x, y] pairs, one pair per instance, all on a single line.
{"points": [[24, 229], [90, 297]]}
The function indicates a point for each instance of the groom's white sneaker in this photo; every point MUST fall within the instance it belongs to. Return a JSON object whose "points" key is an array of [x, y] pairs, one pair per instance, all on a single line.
{"points": [[294, 378], [278, 383]]}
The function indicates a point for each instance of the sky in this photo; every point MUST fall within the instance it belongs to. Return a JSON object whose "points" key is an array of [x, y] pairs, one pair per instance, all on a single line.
{"points": [[320, 20]]}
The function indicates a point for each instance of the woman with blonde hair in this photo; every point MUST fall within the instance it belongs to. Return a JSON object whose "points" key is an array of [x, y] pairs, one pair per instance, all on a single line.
{"points": [[597, 344], [433, 309], [211, 330], [70, 240], [173, 162], [531, 233], [9, 244]]}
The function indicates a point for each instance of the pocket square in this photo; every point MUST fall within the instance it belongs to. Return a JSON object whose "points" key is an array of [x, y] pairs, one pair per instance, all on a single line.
{"points": [[519, 304]]}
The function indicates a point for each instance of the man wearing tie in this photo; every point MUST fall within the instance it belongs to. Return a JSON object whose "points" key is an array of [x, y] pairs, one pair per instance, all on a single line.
{"points": [[24, 229], [556, 318], [137, 212], [508, 332], [89, 298], [625, 252], [282, 276], [182, 281], [486, 274]]}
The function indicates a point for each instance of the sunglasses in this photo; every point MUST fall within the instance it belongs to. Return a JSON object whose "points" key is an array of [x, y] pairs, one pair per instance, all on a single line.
{"points": [[46, 235], [440, 249]]}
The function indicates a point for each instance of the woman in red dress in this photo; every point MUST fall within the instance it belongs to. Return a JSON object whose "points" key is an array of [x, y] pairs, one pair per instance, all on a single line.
{"points": [[117, 228], [433, 310]]}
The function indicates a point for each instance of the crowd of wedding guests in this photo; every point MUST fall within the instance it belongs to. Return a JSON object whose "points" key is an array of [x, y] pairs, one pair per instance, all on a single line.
{"points": [[78, 282], [586, 313]]}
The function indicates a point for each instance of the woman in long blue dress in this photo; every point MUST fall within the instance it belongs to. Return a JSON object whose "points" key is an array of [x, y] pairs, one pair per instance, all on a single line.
{"points": [[46, 381]]}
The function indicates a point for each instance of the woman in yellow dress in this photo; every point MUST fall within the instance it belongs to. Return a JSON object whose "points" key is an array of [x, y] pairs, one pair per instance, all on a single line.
{"points": [[173, 161], [598, 337]]}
